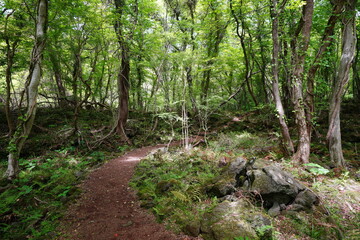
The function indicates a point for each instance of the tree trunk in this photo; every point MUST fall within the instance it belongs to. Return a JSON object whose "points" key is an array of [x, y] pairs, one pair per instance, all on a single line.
{"points": [[333, 136], [288, 144], [77, 73], [214, 38], [205, 84], [10, 53], [58, 78], [241, 36], [356, 75], [124, 73], [140, 76], [298, 53], [189, 79], [123, 87], [326, 41], [31, 88]]}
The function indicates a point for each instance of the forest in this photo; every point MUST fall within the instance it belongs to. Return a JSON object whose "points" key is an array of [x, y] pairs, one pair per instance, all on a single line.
{"points": [[234, 91]]}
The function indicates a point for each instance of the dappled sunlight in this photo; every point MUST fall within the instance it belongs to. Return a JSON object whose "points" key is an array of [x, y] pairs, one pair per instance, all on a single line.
{"points": [[132, 159]]}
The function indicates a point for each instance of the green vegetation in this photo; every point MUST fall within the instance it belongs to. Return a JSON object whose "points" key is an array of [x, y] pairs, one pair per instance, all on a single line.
{"points": [[84, 81], [32, 204], [174, 185]]}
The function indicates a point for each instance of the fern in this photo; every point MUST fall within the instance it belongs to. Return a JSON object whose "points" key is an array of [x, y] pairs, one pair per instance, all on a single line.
{"points": [[180, 196]]}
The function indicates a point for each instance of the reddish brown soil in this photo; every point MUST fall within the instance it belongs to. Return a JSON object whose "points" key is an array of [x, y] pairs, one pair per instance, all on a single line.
{"points": [[108, 208]]}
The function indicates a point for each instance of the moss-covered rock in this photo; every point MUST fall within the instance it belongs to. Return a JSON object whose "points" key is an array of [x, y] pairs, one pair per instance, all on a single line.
{"points": [[222, 186], [229, 220]]}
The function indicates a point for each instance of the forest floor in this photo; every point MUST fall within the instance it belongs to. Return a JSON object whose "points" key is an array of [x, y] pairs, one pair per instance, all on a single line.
{"points": [[108, 207], [70, 188]]}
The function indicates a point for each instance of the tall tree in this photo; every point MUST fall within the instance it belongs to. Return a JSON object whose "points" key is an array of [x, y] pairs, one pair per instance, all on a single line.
{"points": [[326, 40], [299, 45], [10, 53], [356, 67], [124, 73], [214, 36], [275, 10], [241, 28], [31, 89], [333, 136]]}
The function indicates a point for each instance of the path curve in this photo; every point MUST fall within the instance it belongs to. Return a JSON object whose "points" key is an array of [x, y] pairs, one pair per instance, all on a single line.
{"points": [[108, 208]]}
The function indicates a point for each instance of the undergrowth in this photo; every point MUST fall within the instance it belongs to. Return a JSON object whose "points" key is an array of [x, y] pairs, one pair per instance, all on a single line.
{"points": [[31, 205], [173, 186]]}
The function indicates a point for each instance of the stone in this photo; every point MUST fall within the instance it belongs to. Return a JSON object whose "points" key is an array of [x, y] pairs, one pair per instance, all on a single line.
{"points": [[274, 210], [305, 200], [222, 186], [237, 166], [230, 220], [230, 198], [274, 185], [284, 180], [193, 228], [262, 225]]}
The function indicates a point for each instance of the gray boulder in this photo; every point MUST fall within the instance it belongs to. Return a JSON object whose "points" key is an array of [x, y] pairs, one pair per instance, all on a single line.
{"points": [[274, 185], [305, 200], [230, 220], [237, 166]]}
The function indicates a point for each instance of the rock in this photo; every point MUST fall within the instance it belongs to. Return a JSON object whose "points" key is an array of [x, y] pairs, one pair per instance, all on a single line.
{"points": [[230, 198], [274, 210], [129, 223], [237, 166], [284, 180], [230, 220], [222, 186], [237, 170], [274, 185], [262, 225], [193, 228], [305, 200]]}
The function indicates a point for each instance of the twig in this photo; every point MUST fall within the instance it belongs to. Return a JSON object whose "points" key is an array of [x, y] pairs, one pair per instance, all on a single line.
{"points": [[39, 200]]}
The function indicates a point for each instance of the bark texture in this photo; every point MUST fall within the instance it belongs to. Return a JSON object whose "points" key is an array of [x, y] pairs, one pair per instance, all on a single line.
{"points": [[288, 144], [326, 41], [124, 73], [333, 136], [31, 88], [299, 46], [356, 74], [10, 53], [61, 92]]}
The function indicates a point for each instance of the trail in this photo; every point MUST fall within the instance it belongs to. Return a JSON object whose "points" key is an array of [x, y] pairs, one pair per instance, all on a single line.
{"points": [[108, 208]]}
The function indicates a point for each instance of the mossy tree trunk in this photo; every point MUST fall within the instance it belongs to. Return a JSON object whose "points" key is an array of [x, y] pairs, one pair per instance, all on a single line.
{"points": [[299, 45], [31, 89]]}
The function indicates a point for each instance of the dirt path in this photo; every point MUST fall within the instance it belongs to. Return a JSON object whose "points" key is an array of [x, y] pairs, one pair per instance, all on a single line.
{"points": [[108, 209]]}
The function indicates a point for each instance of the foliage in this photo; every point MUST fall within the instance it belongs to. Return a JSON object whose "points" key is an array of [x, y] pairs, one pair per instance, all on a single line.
{"points": [[174, 185], [316, 169], [213, 60], [33, 203]]}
